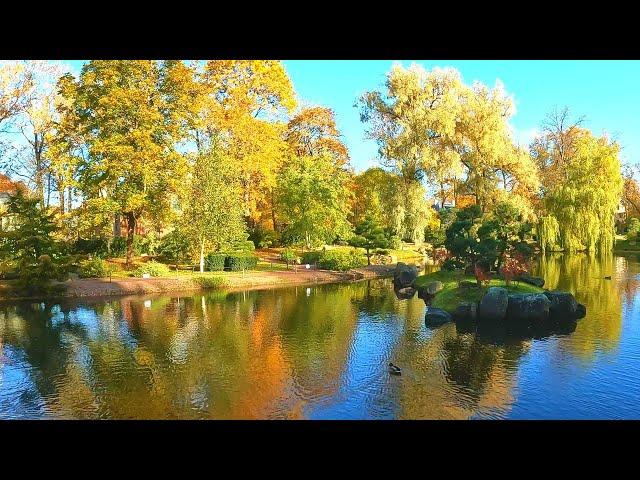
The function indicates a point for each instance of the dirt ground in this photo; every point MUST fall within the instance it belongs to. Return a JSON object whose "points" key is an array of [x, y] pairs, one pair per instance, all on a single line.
{"points": [[95, 287]]}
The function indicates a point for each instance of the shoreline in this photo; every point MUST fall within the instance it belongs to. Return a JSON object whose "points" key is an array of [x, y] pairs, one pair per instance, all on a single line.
{"points": [[254, 280]]}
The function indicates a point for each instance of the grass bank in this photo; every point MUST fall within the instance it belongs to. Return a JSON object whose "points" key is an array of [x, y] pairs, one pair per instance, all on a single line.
{"points": [[624, 245], [452, 295], [187, 281]]}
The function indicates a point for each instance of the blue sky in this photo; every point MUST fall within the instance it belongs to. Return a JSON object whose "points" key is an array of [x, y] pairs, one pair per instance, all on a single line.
{"points": [[605, 92]]}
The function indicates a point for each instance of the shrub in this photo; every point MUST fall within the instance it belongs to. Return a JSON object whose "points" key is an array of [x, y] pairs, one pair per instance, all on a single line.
{"points": [[155, 269], [150, 243], [98, 247], [311, 257], [513, 266], [246, 246], [289, 256], [483, 277], [451, 264], [36, 278], [214, 262], [237, 262], [94, 268], [264, 238], [211, 282], [341, 260], [395, 242], [119, 246], [174, 247]]}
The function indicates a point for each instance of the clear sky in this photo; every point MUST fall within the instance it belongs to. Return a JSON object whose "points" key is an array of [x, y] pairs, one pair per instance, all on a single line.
{"points": [[606, 92]]}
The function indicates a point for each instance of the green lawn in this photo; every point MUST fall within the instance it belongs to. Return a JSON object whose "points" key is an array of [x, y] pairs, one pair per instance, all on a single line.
{"points": [[624, 245], [451, 296]]}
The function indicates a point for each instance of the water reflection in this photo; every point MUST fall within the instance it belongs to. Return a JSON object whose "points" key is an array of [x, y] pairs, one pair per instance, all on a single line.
{"points": [[319, 352]]}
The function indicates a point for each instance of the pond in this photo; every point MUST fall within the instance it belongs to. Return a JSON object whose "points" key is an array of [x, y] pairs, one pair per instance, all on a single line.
{"points": [[320, 352]]}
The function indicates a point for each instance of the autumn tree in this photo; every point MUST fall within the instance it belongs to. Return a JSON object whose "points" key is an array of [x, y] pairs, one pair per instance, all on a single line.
{"points": [[313, 131], [131, 134], [246, 104]]}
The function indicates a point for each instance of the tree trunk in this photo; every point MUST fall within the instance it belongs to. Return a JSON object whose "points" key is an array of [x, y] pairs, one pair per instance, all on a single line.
{"points": [[61, 194], [117, 226], [70, 200], [202, 255], [273, 212], [131, 228]]}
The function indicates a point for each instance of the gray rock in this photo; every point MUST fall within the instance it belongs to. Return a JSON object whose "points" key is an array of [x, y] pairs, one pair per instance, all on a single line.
{"points": [[531, 280], [563, 304], [434, 287], [530, 308], [434, 317], [405, 293], [493, 306], [466, 311], [404, 275]]}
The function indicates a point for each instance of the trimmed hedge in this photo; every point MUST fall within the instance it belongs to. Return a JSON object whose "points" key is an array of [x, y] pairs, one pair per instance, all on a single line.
{"points": [[155, 269], [238, 261], [214, 262], [341, 260]]}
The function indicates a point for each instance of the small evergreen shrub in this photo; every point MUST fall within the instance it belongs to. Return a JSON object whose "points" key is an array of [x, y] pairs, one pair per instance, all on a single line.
{"points": [[237, 262], [214, 262], [94, 268], [155, 269]]}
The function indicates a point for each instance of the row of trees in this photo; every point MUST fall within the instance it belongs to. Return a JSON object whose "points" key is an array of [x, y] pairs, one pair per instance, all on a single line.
{"points": [[213, 149], [432, 128], [220, 150]]}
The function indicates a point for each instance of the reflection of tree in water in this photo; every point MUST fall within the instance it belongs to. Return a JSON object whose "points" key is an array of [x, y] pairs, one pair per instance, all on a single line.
{"points": [[478, 368], [583, 275], [44, 347]]}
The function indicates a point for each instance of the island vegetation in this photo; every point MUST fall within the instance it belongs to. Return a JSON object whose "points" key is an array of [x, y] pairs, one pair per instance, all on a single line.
{"points": [[213, 169]]}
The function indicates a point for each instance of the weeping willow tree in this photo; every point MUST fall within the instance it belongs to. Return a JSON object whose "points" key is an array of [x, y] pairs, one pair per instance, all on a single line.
{"points": [[581, 202]]}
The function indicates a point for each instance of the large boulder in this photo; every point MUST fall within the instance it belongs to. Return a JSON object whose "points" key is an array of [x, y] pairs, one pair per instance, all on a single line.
{"points": [[493, 306], [531, 280], [581, 311], [434, 317], [563, 305], [404, 275], [529, 308], [427, 292], [405, 293], [466, 312]]}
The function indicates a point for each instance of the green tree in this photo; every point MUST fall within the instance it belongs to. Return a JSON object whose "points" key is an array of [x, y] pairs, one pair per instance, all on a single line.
{"points": [[30, 242], [369, 235], [314, 200], [584, 211], [213, 216]]}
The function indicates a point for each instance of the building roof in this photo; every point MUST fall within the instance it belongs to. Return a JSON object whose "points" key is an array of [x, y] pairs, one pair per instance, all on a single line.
{"points": [[8, 186]]}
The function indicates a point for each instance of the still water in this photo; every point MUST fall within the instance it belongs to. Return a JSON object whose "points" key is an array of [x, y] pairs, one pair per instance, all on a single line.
{"points": [[320, 353]]}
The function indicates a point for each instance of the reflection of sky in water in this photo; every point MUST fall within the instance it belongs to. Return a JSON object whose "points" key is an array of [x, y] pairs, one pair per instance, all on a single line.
{"points": [[360, 394]]}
